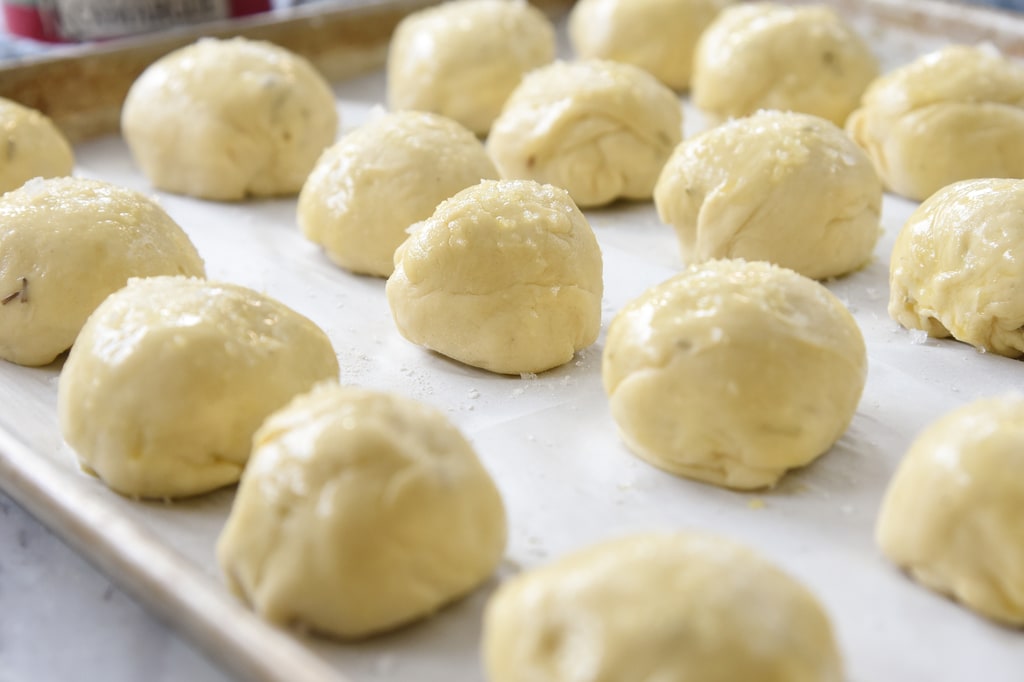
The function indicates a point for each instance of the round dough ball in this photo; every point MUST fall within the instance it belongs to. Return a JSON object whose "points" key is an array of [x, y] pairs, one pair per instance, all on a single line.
{"points": [[506, 275], [32, 147], [371, 186], [768, 56], [733, 372], [958, 263], [171, 376], [952, 514], [65, 245], [658, 36], [462, 59], [680, 606], [783, 187], [227, 119], [950, 115], [359, 512], [602, 130]]}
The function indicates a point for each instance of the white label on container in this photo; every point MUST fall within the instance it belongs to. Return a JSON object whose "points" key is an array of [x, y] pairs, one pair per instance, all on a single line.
{"points": [[90, 19]]}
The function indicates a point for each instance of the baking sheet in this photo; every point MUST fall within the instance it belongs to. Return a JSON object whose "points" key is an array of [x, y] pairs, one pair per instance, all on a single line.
{"points": [[549, 442]]}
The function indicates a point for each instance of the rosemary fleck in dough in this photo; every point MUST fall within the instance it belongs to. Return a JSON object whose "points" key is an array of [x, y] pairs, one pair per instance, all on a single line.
{"points": [[31, 146]]}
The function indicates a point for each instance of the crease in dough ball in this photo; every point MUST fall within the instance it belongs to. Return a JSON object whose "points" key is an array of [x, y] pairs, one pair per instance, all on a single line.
{"points": [[229, 119], [65, 245], [506, 276], [360, 512], [32, 147], [461, 59], [659, 606], [783, 187], [171, 376], [378, 180], [958, 263], [950, 115], [732, 373], [768, 56], [599, 129], [952, 514]]}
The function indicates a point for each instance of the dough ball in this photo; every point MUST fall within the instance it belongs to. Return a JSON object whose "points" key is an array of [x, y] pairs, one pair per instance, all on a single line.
{"points": [[359, 512], [680, 606], [30, 147], [371, 186], [768, 56], [658, 36], [783, 187], [65, 245], [506, 275], [462, 59], [600, 129], [958, 263], [227, 119], [952, 514], [733, 372], [171, 376], [951, 115]]}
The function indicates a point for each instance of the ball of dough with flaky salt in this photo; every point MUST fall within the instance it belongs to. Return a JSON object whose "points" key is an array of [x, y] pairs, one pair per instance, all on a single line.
{"points": [[462, 59], [668, 606], [950, 115], [506, 275], [958, 263], [783, 187], [768, 56], [952, 514], [371, 186], [171, 376], [65, 245], [229, 119], [360, 512], [600, 129], [31, 147], [733, 372]]}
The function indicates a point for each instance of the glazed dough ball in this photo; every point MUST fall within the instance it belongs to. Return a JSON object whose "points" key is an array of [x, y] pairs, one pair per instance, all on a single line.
{"points": [[783, 187], [952, 514], [506, 275], [658, 36], [32, 147], [768, 56], [371, 186], [462, 59], [679, 606], [65, 244], [360, 512], [171, 376], [733, 372], [951, 115], [958, 264], [227, 119]]}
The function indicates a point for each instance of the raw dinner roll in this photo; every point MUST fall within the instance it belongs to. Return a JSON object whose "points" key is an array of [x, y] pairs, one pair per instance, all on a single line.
{"points": [[600, 129], [768, 56], [371, 186], [462, 59], [32, 145], [171, 376], [733, 372], [227, 119], [65, 245], [951, 115], [681, 606], [958, 264], [656, 35], [783, 187], [506, 275], [952, 514], [360, 512]]}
